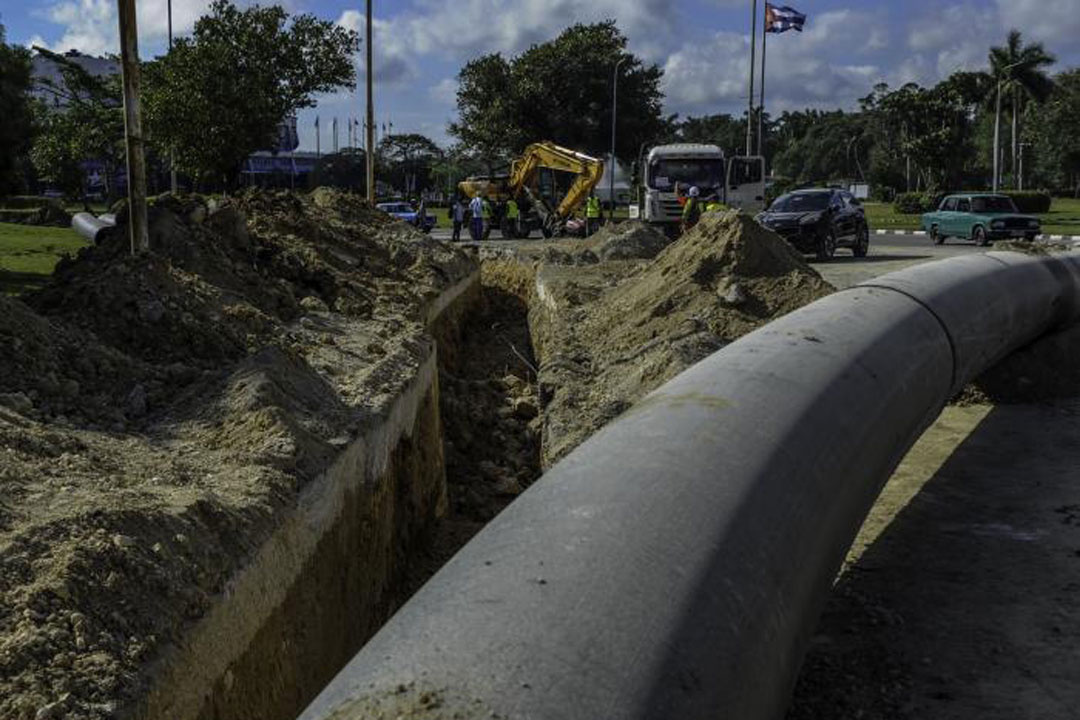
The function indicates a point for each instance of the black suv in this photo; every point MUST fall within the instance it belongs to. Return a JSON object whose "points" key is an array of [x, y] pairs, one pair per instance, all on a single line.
{"points": [[819, 221]]}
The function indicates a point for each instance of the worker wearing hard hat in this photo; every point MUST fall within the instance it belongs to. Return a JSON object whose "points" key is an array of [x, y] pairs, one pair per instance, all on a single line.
{"points": [[691, 211]]}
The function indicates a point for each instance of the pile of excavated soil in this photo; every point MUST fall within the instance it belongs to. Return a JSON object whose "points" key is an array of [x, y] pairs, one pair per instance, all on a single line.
{"points": [[627, 240], [608, 334], [159, 414]]}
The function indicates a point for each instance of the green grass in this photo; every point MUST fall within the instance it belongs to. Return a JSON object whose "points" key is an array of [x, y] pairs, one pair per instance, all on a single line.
{"points": [[1063, 218], [28, 254]]}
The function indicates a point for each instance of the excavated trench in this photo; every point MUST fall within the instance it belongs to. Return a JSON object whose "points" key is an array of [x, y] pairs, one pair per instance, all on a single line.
{"points": [[380, 524], [489, 411]]}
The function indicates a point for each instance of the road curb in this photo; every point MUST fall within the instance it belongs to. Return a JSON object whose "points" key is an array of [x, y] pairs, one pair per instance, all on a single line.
{"points": [[1067, 238]]}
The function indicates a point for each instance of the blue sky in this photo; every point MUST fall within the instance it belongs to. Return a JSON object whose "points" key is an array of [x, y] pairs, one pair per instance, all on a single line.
{"points": [[702, 45]]}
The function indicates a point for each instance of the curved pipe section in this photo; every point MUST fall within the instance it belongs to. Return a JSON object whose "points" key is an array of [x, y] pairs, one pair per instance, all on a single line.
{"points": [[89, 226], [674, 565]]}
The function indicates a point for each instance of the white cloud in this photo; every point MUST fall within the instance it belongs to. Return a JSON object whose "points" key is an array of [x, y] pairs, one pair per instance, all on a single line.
{"points": [[1051, 21], [808, 69]]}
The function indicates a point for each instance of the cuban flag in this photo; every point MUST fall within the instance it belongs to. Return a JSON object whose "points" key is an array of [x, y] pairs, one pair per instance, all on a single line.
{"points": [[783, 18]]}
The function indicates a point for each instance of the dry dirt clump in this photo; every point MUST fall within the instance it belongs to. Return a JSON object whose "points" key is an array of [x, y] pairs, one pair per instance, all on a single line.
{"points": [[608, 334], [159, 413]]}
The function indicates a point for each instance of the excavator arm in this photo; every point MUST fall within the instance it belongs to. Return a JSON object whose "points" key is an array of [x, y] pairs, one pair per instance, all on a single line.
{"points": [[524, 172]]}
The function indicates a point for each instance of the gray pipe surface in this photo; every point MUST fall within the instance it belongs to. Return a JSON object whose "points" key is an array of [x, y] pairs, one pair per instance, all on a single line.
{"points": [[675, 564], [88, 226]]}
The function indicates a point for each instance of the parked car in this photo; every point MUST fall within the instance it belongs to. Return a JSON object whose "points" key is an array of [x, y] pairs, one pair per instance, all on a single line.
{"points": [[406, 212], [819, 221], [981, 217]]}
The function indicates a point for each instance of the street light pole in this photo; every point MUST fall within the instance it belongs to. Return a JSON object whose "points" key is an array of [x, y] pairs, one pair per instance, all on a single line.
{"points": [[136, 158], [997, 134], [614, 109], [997, 124], [750, 105], [172, 155], [1020, 174], [369, 155]]}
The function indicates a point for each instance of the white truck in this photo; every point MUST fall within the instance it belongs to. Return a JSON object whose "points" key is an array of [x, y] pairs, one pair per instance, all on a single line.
{"points": [[669, 171]]}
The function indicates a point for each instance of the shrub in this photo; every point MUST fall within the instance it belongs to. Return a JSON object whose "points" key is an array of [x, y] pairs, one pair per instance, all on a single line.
{"points": [[910, 203], [24, 202], [914, 203], [1031, 201]]}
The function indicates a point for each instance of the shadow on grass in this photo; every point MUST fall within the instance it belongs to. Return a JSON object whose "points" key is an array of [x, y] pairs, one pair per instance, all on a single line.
{"points": [[17, 283]]}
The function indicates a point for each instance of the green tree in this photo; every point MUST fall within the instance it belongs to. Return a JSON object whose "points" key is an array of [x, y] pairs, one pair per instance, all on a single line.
{"points": [[1018, 72], [407, 161], [15, 117], [87, 123], [220, 95], [560, 91], [1053, 129]]}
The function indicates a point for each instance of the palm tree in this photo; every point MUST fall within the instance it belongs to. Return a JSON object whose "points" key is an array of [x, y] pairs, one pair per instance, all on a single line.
{"points": [[1018, 71]]}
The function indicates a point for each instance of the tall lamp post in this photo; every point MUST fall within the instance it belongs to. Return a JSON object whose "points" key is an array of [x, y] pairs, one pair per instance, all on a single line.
{"points": [[997, 125], [369, 154], [611, 170], [172, 155]]}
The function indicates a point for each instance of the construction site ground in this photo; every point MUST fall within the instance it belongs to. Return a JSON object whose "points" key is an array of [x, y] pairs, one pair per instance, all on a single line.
{"points": [[159, 416], [957, 601]]}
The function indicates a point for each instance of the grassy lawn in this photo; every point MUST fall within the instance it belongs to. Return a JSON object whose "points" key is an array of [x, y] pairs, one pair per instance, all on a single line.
{"points": [[1063, 218], [28, 254]]}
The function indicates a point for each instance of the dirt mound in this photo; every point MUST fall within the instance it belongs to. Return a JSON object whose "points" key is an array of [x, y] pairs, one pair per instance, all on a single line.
{"points": [[610, 333], [158, 413], [631, 240]]}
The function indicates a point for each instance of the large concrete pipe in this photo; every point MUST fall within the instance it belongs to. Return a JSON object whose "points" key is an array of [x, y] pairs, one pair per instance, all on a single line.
{"points": [[89, 226], [674, 565]]}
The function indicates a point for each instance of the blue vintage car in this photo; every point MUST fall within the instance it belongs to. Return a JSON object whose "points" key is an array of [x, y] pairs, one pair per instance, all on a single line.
{"points": [[982, 217], [406, 212]]}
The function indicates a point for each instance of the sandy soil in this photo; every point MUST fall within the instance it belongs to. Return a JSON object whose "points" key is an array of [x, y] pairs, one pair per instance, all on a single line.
{"points": [[158, 414], [608, 333]]}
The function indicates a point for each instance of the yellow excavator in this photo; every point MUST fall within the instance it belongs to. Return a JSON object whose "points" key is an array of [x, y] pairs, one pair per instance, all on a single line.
{"points": [[536, 198]]}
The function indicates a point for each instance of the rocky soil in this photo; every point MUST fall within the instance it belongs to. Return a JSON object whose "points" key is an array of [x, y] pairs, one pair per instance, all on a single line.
{"points": [[159, 413]]}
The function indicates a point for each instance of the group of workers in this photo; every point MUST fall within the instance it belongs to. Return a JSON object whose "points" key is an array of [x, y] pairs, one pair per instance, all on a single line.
{"points": [[479, 214]]}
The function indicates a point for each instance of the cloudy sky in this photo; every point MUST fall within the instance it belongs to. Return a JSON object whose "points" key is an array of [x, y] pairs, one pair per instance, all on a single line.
{"points": [[702, 45]]}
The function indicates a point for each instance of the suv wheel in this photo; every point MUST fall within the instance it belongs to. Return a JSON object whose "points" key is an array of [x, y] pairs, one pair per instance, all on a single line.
{"points": [[862, 242], [826, 245]]}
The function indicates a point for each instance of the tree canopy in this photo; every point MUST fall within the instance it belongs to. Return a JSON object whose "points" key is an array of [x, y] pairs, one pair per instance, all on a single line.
{"points": [[15, 117], [561, 91], [220, 94], [88, 124]]}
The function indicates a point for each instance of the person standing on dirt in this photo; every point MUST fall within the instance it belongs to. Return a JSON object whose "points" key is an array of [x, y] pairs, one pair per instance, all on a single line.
{"points": [[691, 211], [485, 215], [513, 213], [476, 224], [592, 214], [457, 217], [421, 214]]}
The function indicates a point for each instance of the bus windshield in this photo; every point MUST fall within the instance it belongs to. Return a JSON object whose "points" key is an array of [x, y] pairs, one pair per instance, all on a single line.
{"points": [[704, 173]]}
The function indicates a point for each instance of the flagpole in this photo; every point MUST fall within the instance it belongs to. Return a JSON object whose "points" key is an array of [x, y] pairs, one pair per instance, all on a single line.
{"points": [[318, 139], [750, 95], [761, 87]]}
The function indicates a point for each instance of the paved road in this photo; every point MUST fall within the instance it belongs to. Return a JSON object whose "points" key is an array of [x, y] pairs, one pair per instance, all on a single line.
{"points": [[887, 254]]}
